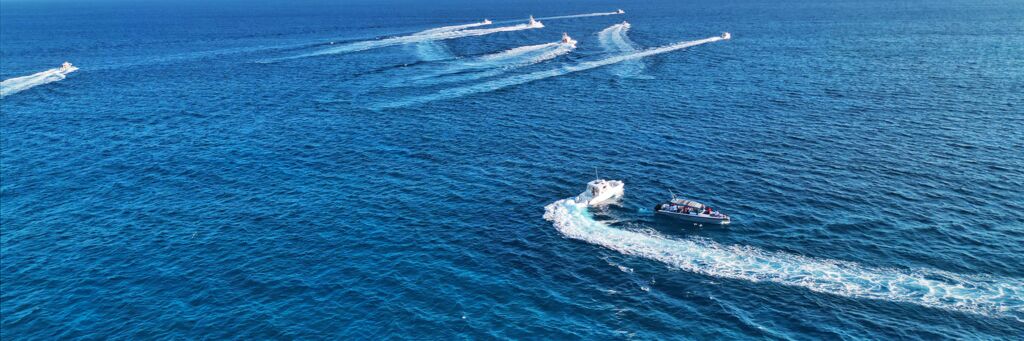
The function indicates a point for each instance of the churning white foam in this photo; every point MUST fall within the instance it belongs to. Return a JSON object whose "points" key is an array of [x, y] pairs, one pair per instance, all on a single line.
{"points": [[18, 84], [978, 294], [535, 76], [614, 40]]}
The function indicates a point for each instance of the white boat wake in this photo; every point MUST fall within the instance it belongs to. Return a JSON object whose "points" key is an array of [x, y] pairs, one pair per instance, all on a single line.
{"points": [[494, 64], [598, 14], [18, 84], [414, 38], [535, 76], [614, 40], [977, 294]]}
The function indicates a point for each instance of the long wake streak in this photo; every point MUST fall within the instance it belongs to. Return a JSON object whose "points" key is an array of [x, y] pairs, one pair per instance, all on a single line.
{"points": [[453, 28], [413, 38], [614, 40], [977, 294], [18, 84], [535, 76], [598, 14]]}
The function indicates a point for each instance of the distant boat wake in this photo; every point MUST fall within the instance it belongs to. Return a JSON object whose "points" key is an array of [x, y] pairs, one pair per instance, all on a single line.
{"points": [[539, 75], [614, 40], [573, 16], [494, 64], [977, 294], [413, 38], [18, 84]]}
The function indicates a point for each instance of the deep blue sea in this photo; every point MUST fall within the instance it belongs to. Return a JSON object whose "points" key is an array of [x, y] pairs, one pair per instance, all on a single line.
{"points": [[364, 170]]}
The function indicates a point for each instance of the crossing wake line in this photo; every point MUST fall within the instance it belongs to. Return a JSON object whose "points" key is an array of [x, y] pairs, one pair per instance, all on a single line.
{"points": [[493, 64], [430, 51], [977, 294], [573, 16], [539, 75], [433, 50]]}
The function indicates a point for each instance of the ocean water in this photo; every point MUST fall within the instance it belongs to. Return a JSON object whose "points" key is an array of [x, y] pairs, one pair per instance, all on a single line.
{"points": [[363, 170]]}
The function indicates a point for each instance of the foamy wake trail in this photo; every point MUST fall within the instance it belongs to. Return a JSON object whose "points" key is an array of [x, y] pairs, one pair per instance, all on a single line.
{"points": [[614, 40], [452, 28], [495, 64], [432, 50], [18, 84], [978, 294], [410, 39], [535, 76]]}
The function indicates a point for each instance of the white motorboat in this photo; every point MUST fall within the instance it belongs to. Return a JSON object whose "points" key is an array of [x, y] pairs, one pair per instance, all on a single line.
{"points": [[691, 211], [625, 23], [600, 191], [620, 11], [534, 23], [726, 35], [67, 68], [566, 39], [486, 22]]}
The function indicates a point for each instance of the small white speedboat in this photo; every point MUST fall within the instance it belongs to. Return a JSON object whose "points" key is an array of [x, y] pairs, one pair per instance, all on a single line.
{"points": [[67, 68], [534, 23], [620, 11], [691, 211], [726, 35], [566, 39], [486, 22], [600, 191], [625, 23]]}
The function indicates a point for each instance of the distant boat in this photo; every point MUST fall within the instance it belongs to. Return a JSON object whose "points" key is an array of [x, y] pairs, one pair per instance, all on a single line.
{"points": [[566, 39], [67, 68], [620, 11], [691, 211], [726, 35], [486, 22], [534, 23]]}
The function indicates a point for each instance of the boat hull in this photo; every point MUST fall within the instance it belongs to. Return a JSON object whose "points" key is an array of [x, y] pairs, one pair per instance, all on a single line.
{"points": [[699, 219]]}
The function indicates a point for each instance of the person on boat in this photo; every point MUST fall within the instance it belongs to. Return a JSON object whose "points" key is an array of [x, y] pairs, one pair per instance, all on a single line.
{"points": [[707, 210]]}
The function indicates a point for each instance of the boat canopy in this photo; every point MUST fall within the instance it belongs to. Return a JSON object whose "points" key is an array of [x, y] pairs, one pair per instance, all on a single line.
{"points": [[691, 203]]}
